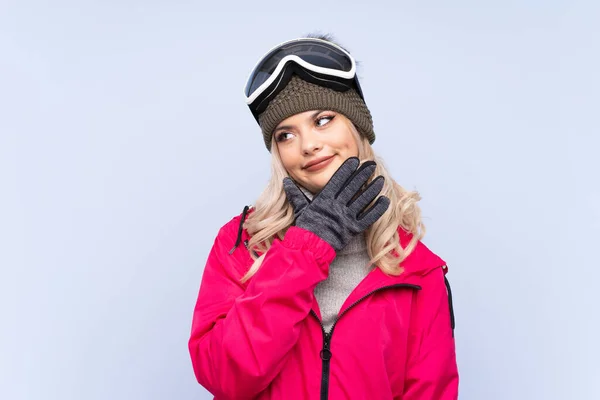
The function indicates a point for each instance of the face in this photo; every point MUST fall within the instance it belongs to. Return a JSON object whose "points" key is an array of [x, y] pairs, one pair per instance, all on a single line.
{"points": [[312, 145]]}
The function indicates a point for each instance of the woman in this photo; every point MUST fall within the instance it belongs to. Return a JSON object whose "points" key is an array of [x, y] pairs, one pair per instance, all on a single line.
{"points": [[333, 295]]}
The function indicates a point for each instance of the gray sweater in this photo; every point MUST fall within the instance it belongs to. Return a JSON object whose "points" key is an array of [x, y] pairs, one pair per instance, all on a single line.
{"points": [[349, 267]]}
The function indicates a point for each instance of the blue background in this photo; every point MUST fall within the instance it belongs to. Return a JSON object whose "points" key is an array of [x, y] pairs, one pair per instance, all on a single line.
{"points": [[125, 143]]}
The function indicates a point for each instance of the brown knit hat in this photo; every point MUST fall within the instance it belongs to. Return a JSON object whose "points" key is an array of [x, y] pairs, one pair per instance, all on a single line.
{"points": [[300, 96]]}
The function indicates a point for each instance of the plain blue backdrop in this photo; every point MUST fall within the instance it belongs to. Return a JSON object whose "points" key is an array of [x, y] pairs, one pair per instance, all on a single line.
{"points": [[125, 144]]}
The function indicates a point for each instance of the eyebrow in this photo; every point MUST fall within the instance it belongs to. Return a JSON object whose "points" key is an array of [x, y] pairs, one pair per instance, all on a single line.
{"points": [[284, 127]]}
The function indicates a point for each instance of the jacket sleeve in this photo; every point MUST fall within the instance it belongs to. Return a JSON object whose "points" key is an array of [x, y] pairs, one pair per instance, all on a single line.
{"points": [[432, 372], [240, 337]]}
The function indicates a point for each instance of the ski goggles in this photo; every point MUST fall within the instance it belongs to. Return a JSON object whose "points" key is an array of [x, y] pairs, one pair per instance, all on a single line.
{"points": [[314, 60]]}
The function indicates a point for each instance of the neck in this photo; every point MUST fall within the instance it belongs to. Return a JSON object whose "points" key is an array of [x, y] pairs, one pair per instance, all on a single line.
{"points": [[306, 192]]}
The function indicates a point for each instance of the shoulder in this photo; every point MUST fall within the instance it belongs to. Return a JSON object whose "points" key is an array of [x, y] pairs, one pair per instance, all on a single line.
{"points": [[232, 236], [228, 254], [421, 260], [230, 230], [435, 296]]}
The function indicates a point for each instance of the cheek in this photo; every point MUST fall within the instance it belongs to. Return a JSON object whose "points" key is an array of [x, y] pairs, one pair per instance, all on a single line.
{"points": [[350, 146], [354, 147], [345, 141], [289, 157]]}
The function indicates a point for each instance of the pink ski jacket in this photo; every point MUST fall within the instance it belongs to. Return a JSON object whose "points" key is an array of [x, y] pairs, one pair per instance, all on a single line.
{"points": [[393, 338]]}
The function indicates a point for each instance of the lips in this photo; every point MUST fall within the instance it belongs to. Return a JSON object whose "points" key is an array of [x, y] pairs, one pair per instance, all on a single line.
{"points": [[318, 163]]}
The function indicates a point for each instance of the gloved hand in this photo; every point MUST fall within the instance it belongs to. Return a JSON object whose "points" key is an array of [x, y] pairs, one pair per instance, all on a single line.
{"points": [[332, 214]]}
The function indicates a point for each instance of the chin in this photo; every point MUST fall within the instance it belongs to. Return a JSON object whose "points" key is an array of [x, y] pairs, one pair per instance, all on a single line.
{"points": [[316, 187], [323, 179]]}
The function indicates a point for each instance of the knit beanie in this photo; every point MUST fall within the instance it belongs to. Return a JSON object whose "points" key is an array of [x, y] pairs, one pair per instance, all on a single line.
{"points": [[300, 96]]}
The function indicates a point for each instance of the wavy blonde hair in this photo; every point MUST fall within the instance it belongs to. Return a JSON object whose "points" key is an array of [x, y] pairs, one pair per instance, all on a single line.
{"points": [[273, 214]]}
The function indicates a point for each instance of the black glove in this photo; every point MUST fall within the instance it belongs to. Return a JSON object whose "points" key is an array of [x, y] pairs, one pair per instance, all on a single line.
{"points": [[337, 213]]}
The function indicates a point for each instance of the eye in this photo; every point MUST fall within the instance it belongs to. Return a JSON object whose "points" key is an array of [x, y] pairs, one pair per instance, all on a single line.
{"points": [[283, 136], [324, 120]]}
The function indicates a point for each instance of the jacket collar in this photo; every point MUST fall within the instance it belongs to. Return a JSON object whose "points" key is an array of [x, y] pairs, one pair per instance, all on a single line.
{"points": [[418, 263]]}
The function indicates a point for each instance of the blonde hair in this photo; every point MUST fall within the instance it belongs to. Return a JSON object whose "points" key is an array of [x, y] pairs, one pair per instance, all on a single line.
{"points": [[273, 215]]}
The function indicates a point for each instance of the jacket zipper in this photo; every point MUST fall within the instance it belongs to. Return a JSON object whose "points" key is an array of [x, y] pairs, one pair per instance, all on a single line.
{"points": [[326, 353]]}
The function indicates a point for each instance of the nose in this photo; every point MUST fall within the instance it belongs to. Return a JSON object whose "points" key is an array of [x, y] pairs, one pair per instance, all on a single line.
{"points": [[311, 142]]}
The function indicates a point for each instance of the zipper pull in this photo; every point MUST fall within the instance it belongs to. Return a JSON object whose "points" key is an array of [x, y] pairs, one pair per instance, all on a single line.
{"points": [[326, 354]]}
